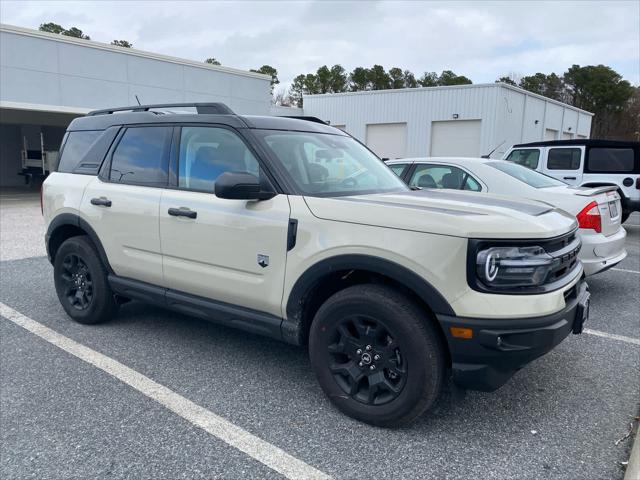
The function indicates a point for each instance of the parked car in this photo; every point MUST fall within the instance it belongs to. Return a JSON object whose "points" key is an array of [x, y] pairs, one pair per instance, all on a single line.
{"points": [[587, 163], [237, 220], [597, 209]]}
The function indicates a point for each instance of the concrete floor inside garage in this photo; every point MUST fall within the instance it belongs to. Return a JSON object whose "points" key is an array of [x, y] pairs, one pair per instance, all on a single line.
{"points": [[560, 417]]}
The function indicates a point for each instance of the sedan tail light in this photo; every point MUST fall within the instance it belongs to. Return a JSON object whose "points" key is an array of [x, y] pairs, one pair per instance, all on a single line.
{"points": [[589, 218]]}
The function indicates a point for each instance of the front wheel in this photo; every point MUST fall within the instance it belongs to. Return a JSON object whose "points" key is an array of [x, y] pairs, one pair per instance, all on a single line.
{"points": [[377, 355], [81, 282]]}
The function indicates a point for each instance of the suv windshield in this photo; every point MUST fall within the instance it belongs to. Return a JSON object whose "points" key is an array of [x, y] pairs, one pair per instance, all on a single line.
{"points": [[526, 175], [329, 165]]}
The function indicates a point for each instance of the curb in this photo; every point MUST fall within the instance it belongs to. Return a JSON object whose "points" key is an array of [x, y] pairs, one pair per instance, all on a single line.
{"points": [[633, 467]]}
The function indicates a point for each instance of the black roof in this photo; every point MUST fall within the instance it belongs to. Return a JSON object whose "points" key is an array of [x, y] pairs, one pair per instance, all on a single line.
{"points": [[585, 141], [217, 113]]}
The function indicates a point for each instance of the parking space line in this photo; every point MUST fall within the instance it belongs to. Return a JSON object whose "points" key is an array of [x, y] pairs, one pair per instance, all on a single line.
{"points": [[624, 270], [261, 450], [612, 336]]}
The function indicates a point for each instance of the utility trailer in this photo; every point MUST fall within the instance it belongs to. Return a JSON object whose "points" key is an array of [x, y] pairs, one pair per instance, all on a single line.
{"points": [[36, 164]]}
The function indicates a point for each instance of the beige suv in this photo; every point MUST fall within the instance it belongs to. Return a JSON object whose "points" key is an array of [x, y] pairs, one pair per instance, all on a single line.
{"points": [[290, 228]]}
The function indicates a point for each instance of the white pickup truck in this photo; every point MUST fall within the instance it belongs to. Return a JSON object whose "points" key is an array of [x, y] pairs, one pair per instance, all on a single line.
{"points": [[587, 163]]}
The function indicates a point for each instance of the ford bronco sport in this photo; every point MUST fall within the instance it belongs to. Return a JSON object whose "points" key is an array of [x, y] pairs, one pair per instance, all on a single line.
{"points": [[291, 228]]}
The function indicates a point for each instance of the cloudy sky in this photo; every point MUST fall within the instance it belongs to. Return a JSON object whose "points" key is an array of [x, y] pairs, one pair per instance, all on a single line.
{"points": [[482, 40]]}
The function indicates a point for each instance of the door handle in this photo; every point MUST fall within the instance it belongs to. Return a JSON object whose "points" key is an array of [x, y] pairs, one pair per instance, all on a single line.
{"points": [[569, 178], [182, 212], [101, 202]]}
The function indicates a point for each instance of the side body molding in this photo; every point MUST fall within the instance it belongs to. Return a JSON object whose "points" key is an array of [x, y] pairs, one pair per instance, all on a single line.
{"points": [[293, 329]]}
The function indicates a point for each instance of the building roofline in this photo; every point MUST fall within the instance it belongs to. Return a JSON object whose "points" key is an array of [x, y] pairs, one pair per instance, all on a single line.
{"points": [[127, 51], [542, 97], [448, 87], [36, 107]]}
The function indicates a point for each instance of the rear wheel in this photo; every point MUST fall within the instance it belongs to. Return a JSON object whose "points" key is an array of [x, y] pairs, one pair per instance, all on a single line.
{"points": [[81, 282], [377, 355]]}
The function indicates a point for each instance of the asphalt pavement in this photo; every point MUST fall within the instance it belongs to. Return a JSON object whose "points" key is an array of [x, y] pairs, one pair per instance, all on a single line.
{"points": [[561, 417]]}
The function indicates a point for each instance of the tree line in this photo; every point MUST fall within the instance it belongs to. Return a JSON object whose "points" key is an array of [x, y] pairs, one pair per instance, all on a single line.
{"points": [[595, 88]]}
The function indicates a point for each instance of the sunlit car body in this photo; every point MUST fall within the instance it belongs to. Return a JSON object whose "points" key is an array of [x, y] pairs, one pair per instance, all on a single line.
{"points": [[597, 209]]}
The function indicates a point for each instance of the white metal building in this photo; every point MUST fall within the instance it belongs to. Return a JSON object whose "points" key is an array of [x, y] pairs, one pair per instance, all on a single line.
{"points": [[464, 120], [46, 80]]}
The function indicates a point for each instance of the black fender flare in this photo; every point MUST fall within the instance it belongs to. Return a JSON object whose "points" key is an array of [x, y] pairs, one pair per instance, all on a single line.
{"points": [[76, 221], [292, 325]]}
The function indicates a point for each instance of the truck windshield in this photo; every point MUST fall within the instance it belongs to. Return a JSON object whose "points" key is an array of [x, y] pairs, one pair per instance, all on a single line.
{"points": [[526, 175], [329, 165]]}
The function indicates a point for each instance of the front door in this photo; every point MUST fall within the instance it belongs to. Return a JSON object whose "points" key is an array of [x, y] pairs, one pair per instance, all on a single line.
{"points": [[231, 251], [565, 164]]}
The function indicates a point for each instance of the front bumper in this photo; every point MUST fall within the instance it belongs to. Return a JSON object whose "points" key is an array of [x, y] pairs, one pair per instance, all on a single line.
{"points": [[600, 253], [499, 348]]}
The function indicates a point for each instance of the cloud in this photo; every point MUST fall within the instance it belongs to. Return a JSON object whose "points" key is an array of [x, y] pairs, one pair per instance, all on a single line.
{"points": [[482, 40]]}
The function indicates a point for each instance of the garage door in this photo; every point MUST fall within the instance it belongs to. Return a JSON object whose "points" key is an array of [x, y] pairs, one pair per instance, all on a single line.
{"points": [[458, 138], [550, 134], [387, 140]]}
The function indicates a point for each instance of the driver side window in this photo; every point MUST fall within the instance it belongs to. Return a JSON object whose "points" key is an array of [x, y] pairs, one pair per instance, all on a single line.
{"points": [[208, 152]]}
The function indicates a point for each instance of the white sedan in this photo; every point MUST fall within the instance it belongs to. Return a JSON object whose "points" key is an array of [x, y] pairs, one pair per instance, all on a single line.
{"points": [[597, 209]]}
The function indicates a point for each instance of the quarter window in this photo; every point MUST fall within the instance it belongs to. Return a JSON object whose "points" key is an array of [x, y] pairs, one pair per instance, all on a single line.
{"points": [[208, 152], [527, 157], [75, 148], [564, 159], [611, 160], [443, 176], [141, 157]]}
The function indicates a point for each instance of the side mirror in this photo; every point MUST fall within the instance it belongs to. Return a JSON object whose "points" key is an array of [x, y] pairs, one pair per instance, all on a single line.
{"points": [[240, 186]]}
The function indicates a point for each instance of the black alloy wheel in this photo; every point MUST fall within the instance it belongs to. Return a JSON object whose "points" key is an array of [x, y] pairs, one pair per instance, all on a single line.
{"points": [[77, 282], [367, 362]]}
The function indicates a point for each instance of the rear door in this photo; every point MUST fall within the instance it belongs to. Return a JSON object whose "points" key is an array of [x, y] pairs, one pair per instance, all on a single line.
{"points": [[230, 251], [565, 163], [121, 205]]}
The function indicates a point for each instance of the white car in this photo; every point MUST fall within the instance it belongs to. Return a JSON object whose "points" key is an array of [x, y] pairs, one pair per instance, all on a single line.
{"points": [[597, 209]]}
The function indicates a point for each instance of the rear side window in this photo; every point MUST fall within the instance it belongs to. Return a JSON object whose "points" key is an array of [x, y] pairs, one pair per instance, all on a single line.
{"points": [[564, 159], [527, 157], [611, 160], [142, 157], [75, 148]]}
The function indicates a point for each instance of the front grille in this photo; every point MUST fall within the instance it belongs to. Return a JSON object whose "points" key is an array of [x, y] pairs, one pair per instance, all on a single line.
{"points": [[565, 252]]}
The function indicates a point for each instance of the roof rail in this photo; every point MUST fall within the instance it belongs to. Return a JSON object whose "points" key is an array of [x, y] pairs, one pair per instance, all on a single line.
{"points": [[201, 108], [307, 118]]}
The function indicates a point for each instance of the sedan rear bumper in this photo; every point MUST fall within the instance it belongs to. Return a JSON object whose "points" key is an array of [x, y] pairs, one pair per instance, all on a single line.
{"points": [[599, 253]]}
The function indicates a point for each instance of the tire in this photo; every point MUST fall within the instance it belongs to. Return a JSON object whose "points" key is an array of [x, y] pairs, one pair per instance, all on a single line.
{"points": [[81, 282], [405, 349]]}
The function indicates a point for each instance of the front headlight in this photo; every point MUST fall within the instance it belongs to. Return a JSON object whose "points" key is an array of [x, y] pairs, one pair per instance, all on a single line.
{"points": [[509, 267]]}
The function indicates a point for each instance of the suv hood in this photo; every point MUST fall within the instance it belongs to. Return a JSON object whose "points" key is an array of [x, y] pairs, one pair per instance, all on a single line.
{"points": [[455, 213]]}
